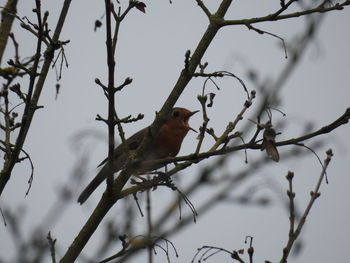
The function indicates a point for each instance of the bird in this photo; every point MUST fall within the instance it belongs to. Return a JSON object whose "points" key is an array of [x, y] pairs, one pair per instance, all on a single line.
{"points": [[166, 143]]}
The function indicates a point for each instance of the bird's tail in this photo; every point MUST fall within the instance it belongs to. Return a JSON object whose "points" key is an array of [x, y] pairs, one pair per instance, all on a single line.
{"points": [[91, 187]]}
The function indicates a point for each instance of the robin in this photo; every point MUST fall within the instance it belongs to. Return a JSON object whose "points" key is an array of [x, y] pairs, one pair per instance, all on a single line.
{"points": [[166, 143]]}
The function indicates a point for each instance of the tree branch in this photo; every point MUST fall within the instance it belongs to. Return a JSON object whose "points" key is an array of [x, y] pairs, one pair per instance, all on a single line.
{"points": [[273, 17], [7, 16], [33, 105]]}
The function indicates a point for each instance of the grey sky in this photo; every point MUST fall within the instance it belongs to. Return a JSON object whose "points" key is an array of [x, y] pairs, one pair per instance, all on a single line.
{"points": [[151, 51]]}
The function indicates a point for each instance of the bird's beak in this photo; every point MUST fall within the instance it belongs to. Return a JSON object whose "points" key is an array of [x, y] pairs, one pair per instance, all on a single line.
{"points": [[192, 129], [192, 113], [189, 115]]}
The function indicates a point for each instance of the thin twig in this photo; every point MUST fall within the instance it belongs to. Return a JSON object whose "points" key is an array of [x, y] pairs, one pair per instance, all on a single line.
{"points": [[149, 226], [291, 196], [204, 8], [31, 178], [273, 17], [34, 95], [271, 34], [3, 217], [52, 243], [314, 195]]}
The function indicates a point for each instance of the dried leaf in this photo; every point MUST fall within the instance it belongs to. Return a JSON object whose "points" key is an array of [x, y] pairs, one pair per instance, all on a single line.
{"points": [[269, 143], [98, 24], [211, 99], [141, 6]]}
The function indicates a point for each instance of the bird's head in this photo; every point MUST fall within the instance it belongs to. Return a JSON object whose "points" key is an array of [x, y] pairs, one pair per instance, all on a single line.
{"points": [[179, 118]]}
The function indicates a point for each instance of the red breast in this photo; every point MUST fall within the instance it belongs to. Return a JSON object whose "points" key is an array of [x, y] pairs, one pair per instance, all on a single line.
{"points": [[172, 133]]}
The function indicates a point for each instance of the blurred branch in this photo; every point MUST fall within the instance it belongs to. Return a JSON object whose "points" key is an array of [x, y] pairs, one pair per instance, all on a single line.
{"points": [[106, 203], [52, 243], [7, 16], [230, 182], [35, 87], [297, 53], [14, 156], [149, 226], [189, 71]]}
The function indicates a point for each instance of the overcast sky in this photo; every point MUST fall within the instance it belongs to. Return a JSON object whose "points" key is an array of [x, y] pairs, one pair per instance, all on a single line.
{"points": [[151, 51]]}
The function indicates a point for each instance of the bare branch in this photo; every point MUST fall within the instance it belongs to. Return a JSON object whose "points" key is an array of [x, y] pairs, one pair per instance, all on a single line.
{"points": [[204, 8], [272, 17], [293, 234], [52, 243], [271, 34], [7, 17]]}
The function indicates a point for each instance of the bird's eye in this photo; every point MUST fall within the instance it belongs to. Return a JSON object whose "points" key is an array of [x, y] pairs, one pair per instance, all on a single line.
{"points": [[176, 113]]}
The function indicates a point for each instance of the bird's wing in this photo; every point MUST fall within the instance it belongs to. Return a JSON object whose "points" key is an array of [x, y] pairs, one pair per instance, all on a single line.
{"points": [[133, 142]]}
